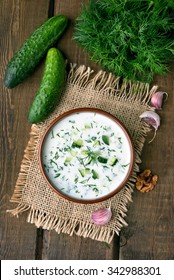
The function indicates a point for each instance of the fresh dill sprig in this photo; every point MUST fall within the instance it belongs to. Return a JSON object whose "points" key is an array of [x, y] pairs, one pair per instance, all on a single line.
{"points": [[130, 38]]}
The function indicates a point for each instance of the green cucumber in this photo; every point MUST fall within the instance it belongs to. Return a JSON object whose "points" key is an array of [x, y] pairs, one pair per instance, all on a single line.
{"points": [[85, 171], [73, 153], [113, 161], [105, 139], [82, 172], [87, 160], [32, 51], [96, 143], [50, 89], [102, 159], [68, 159], [94, 174], [77, 143], [84, 152]]}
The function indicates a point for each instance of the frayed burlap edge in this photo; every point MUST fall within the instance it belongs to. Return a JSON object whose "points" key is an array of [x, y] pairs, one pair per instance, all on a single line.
{"points": [[107, 83]]}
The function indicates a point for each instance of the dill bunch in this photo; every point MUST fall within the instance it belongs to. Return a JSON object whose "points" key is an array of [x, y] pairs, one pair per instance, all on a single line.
{"points": [[132, 39]]}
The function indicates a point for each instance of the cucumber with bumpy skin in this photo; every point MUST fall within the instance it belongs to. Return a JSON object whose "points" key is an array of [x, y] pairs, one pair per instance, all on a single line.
{"points": [[32, 51], [50, 88]]}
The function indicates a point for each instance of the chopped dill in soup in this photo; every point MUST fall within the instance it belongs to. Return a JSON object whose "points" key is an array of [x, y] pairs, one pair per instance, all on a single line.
{"points": [[86, 155]]}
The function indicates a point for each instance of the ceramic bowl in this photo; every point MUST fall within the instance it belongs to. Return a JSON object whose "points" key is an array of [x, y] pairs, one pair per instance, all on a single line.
{"points": [[86, 155]]}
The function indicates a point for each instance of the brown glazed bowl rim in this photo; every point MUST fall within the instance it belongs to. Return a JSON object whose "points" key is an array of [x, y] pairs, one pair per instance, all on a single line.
{"points": [[119, 187]]}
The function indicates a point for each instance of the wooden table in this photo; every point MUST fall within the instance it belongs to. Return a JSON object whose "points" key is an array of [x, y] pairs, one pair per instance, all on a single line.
{"points": [[150, 231]]}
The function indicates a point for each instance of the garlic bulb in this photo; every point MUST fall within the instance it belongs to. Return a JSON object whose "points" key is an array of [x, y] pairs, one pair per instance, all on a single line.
{"points": [[101, 216], [157, 99], [151, 118]]}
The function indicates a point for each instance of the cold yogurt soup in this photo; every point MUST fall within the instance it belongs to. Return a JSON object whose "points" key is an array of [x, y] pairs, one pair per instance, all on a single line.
{"points": [[86, 155]]}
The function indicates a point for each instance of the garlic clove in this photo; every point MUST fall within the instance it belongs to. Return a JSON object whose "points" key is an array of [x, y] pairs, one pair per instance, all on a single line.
{"points": [[152, 119], [101, 216], [157, 99]]}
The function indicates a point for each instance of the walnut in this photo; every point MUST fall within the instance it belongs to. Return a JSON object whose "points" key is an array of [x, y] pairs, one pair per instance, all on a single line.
{"points": [[146, 181]]}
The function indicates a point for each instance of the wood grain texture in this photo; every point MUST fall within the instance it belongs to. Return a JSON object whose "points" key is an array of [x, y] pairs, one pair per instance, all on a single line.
{"points": [[150, 231], [18, 20], [63, 246], [150, 234], [67, 44]]}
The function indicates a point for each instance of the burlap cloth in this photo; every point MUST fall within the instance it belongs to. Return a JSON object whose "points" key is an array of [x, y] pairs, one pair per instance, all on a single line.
{"points": [[123, 99]]}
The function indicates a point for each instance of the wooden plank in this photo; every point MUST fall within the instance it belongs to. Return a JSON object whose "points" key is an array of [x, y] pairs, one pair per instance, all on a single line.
{"points": [[67, 44], [63, 246], [18, 20], [150, 234]]}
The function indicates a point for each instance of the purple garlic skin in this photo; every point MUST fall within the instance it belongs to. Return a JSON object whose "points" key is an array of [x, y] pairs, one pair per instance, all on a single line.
{"points": [[101, 216], [151, 118], [157, 99]]}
